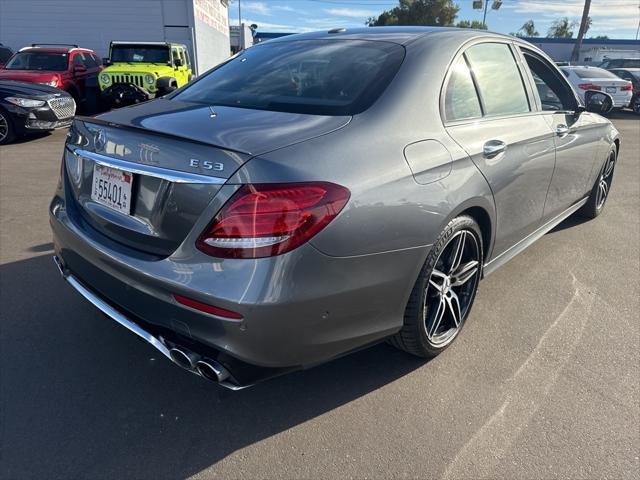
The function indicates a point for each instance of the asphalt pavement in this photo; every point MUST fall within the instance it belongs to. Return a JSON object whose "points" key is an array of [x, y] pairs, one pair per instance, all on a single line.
{"points": [[544, 382]]}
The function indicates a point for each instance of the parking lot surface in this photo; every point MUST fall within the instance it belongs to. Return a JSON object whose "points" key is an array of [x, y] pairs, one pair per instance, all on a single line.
{"points": [[544, 382]]}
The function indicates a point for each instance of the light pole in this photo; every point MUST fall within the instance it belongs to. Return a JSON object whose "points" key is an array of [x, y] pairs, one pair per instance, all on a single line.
{"points": [[477, 5]]}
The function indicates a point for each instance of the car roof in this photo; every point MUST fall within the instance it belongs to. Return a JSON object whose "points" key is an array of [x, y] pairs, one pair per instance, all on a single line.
{"points": [[400, 35], [55, 49], [120, 42]]}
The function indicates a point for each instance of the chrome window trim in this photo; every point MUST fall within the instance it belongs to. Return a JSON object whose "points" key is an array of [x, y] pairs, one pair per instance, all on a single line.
{"points": [[174, 176]]}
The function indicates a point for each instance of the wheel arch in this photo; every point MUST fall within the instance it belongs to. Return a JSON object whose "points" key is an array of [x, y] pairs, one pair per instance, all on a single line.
{"points": [[483, 212]]}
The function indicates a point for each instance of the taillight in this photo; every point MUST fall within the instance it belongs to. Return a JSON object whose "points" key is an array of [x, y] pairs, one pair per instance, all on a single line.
{"points": [[626, 88], [589, 86], [270, 219], [205, 307]]}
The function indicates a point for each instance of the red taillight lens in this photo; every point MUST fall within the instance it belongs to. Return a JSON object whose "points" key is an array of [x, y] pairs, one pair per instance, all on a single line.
{"points": [[204, 307], [270, 219], [589, 86], [627, 87]]}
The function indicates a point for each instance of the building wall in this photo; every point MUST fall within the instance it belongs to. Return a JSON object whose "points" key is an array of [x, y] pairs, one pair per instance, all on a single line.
{"points": [[211, 32], [560, 49]]}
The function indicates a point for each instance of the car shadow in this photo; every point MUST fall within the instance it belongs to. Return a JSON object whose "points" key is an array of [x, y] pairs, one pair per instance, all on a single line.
{"points": [[31, 136], [573, 221], [82, 398]]}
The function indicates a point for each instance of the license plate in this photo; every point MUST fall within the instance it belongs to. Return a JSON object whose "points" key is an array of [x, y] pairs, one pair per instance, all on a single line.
{"points": [[112, 187], [611, 89]]}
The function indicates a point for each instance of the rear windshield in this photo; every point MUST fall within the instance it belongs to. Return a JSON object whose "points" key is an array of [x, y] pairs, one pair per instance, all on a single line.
{"points": [[593, 73], [321, 77], [621, 63], [56, 62], [140, 53]]}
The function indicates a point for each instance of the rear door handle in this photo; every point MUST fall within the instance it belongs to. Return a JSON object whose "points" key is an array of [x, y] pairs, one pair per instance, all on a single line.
{"points": [[562, 130], [493, 148]]}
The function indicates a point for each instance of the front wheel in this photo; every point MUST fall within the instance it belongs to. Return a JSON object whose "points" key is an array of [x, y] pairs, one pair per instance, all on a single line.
{"points": [[442, 296], [7, 132]]}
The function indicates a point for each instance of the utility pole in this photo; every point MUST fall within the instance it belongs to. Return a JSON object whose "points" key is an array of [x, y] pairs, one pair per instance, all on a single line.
{"points": [[240, 32], [584, 24], [484, 17]]}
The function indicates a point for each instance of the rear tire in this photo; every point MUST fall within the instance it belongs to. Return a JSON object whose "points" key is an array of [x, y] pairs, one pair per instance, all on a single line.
{"points": [[7, 130], [600, 191], [635, 104], [444, 292]]}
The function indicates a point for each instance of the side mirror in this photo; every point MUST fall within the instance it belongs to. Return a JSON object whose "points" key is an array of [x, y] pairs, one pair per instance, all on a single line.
{"points": [[79, 68], [106, 61], [598, 102], [177, 62]]}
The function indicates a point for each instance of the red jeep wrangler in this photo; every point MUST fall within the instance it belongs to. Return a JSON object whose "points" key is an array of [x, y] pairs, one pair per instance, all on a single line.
{"points": [[66, 67]]}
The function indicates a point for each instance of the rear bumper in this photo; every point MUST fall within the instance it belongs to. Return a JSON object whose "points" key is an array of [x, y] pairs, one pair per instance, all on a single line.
{"points": [[298, 309]]}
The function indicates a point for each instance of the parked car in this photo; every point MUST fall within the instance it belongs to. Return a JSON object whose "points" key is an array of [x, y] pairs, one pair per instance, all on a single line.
{"points": [[67, 67], [620, 63], [631, 75], [250, 224], [5, 54], [139, 71], [593, 78], [28, 107]]}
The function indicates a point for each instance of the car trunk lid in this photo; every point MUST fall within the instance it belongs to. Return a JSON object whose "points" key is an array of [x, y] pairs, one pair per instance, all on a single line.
{"points": [[178, 158]]}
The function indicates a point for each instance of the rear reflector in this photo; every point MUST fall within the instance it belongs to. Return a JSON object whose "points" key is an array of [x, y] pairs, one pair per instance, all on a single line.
{"points": [[270, 219], [204, 307], [589, 86]]}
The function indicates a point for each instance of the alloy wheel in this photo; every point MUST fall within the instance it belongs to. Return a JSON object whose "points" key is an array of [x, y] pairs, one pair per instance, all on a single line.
{"points": [[4, 127], [604, 182], [451, 287]]}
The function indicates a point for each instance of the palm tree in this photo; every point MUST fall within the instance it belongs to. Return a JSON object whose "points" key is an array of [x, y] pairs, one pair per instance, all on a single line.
{"points": [[584, 26], [561, 28], [529, 29]]}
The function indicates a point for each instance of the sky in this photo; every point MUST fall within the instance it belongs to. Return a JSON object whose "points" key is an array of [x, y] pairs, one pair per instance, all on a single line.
{"points": [[614, 18]]}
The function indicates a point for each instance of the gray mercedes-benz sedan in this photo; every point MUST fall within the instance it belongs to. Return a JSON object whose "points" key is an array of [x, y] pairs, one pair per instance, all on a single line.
{"points": [[322, 192]]}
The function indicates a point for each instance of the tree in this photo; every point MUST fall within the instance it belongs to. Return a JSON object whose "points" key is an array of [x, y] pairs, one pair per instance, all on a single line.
{"points": [[529, 29], [526, 30], [418, 12], [561, 28], [585, 23], [477, 24], [601, 37]]}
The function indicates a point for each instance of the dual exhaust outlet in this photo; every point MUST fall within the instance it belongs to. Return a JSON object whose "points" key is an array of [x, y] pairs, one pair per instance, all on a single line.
{"points": [[209, 369]]}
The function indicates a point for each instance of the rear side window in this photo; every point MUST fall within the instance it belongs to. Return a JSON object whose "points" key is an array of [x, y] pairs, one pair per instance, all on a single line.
{"points": [[498, 79], [461, 100], [319, 77]]}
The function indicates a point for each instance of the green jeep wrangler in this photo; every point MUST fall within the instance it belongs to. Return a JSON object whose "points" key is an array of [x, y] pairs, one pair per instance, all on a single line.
{"points": [[138, 71]]}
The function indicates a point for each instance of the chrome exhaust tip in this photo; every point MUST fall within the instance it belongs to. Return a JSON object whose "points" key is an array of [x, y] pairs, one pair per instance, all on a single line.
{"points": [[212, 370], [183, 358]]}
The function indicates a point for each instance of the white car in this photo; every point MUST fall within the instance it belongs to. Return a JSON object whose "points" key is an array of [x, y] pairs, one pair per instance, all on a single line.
{"points": [[594, 78]]}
